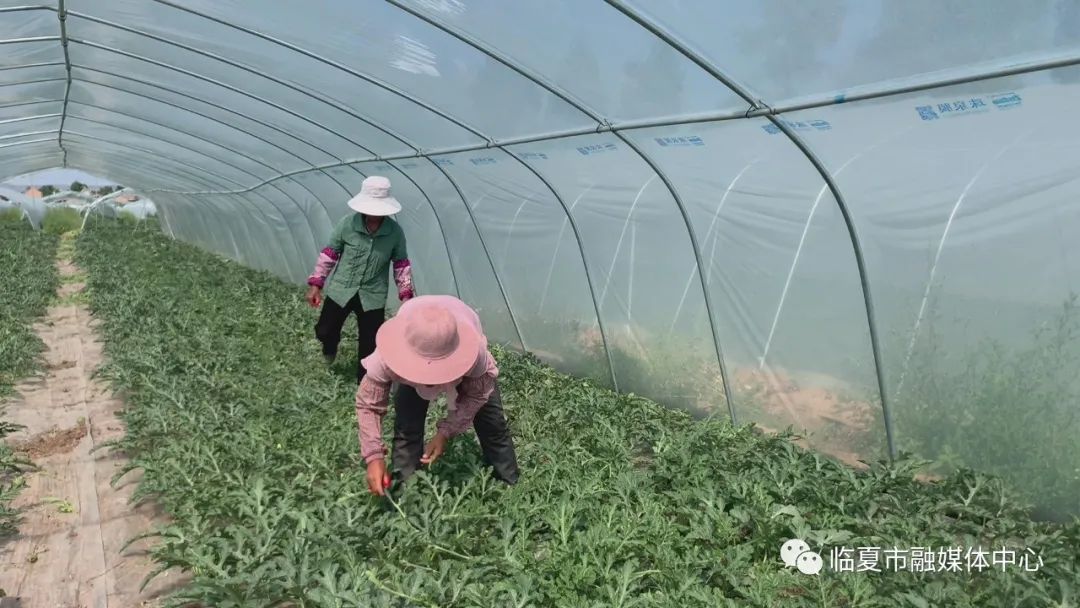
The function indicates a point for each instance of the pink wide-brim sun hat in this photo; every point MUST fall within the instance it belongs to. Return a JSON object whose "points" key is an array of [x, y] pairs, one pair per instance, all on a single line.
{"points": [[374, 198], [427, 344]]}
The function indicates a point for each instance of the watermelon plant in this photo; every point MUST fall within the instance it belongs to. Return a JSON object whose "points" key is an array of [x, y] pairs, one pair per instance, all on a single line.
{"points": [[28, 281], [249, 442]]}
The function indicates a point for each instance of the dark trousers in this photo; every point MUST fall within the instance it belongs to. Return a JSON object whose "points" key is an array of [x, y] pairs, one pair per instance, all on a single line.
{"points": [[489, 423], [332, 318]]}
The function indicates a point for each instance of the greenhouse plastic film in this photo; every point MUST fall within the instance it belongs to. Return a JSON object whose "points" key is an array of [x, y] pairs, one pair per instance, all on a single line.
{"points": [[524, 229], [967, 197], [661, 261]]}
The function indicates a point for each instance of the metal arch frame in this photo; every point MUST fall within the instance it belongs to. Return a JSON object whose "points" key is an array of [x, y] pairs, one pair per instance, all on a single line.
{"points": [[215, 57], [696, 247], [584, 261], [1065, 60], [155, 123], [344, 68], [61, 15], [602, 123], [24, 143], [34, 167], [86, 211], [277, 81], [438, 222], [26, 8], [216, 106], [219, 107], [875, 343], [506, 62], [30, 103], [200, 170], [9, 121], [174, 171], [222, 108], [28, 134], [18, 83], [205, 116], [210, 103], [487, 252], [30, 39], [157, 154], [765, 111], [204, 154], [23, 66], [221, 122], [272, 127], [176, 130], [228, 87], [246, 94]]}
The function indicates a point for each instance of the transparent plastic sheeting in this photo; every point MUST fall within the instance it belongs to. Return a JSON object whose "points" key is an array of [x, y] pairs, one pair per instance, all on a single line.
{"points": [[32, 209], [602, 181]]}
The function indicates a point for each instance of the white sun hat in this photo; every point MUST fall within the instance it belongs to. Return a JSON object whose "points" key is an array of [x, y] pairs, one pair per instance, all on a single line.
{"points": [[374, 198]]}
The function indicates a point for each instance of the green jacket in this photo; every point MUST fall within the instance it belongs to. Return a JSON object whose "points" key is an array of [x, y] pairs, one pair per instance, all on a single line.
{"points": [[356, 262]]}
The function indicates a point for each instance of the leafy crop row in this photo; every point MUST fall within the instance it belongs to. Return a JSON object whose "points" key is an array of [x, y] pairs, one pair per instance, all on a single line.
{"points": [[249, 443], [1009, 411], [28, 281]]}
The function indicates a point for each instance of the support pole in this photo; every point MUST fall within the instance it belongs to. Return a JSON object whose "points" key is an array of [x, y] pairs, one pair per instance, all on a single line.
{"points": [[757, 105], [487, 252]]}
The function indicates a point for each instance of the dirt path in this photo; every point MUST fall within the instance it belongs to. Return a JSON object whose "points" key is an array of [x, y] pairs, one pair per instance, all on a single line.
{"points": [[67, 552]]}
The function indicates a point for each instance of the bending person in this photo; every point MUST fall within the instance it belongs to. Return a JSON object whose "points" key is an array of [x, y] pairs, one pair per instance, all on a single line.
{"points": [[354, 271], [435, 344]]}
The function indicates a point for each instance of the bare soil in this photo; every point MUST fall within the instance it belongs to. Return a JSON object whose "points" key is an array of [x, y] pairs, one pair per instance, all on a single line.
{"points": [[74, 523], [51, 442]]}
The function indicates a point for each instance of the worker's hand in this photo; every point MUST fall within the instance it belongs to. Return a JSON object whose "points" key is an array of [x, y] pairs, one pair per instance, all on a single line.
{"points": [[314, 296], [378, 479], [434, 449]]}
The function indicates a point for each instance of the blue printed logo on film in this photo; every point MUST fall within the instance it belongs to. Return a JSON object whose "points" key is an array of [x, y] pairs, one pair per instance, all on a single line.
{"points": [[692, 140], [482, 161], [812, 125], [927, 112], [1008, 100], [409, 166], [533, 156], [596, 149], [443, 161], [963, 107]]}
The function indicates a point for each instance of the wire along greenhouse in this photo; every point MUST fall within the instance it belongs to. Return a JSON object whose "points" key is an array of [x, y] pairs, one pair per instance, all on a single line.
{"points": [[753, 273]]}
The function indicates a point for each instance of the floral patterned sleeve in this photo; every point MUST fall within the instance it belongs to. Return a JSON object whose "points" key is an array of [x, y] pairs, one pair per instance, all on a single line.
{"points": [[403, 269], [328, 259]]}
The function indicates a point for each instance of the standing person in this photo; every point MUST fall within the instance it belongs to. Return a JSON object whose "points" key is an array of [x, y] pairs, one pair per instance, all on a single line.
{"points": [[357, 261], [434, 345]]}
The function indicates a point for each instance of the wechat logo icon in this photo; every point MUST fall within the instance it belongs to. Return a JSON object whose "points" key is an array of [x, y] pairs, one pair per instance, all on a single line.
{"points": [[797, 554]]}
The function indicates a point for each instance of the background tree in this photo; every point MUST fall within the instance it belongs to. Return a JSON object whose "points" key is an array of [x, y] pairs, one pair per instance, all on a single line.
{"points": [[77, 186], [48, 190]]}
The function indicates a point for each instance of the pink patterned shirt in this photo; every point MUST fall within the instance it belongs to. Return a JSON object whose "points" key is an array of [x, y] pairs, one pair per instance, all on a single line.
{"points": [[466, 395]]}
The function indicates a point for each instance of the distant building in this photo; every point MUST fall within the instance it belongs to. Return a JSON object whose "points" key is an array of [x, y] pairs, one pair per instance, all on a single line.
{"points": [[126, 198], [33, 192]]}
